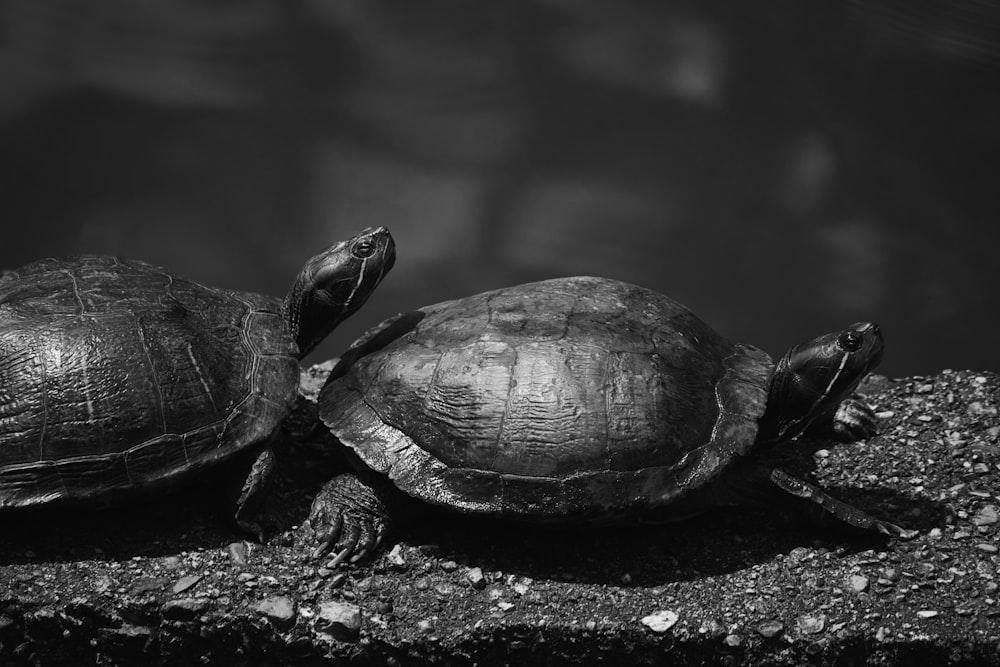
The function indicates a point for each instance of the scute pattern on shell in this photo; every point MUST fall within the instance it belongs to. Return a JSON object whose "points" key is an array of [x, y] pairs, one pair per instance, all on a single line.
{"points": [[115, 374], [574, 397]]}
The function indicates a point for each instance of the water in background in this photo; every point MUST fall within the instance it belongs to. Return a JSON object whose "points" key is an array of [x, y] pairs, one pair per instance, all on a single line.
{"points": [[782, 168]]}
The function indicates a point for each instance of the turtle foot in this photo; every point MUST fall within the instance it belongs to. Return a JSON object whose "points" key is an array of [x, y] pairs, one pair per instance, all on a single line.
{"points": [[854, 420], [348, 518]]}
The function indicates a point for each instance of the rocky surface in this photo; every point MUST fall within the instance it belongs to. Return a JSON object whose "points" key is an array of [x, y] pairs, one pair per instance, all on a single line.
{"points": [[170, 582]]}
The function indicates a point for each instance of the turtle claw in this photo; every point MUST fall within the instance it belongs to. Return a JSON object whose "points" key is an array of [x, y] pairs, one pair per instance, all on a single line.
{"points": [[350, 544], [370, 541], [347, 517], [892, 530], [326, 539], [339, 558]]}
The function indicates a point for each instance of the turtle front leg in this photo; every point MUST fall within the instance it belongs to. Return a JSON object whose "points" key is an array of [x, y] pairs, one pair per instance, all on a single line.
{"points": [[349, 515], [252, 494], [828, 506], [853, 420]]}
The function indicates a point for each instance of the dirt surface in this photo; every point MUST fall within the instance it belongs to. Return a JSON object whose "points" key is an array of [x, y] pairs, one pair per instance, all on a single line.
{"points": [[171, 582]]}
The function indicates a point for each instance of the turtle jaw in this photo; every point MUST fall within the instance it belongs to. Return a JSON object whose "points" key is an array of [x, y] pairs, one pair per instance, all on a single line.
{"points": [[334, 284], [814, 377]]}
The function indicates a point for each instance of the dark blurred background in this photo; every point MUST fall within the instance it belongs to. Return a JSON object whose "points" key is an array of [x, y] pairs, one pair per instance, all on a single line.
{"points": [[784, 168]]}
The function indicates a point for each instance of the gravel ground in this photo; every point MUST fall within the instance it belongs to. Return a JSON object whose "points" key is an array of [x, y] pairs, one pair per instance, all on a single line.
{"points": [[172, 583]]}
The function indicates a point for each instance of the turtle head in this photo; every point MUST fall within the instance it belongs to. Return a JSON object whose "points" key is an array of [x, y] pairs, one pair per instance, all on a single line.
{"points": [[335, 283], [814, 377]]}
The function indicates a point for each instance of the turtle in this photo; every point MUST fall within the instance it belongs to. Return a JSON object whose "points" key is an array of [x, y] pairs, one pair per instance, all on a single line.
{"points": [[578, 400], [117, 376]]}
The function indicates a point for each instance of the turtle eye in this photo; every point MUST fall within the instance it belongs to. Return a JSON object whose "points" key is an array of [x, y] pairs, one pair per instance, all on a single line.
{"points": [[363, 249], [850, 340]]}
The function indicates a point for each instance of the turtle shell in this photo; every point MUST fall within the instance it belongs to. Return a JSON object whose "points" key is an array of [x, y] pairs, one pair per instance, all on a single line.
{"points": [[115, 374], [570, 398]]}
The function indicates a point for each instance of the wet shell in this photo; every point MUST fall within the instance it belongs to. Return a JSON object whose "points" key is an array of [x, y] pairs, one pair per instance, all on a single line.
{"points": [[570, 398], [115, 374]]}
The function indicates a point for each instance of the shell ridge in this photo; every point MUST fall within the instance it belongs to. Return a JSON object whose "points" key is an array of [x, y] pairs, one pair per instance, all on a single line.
{"points": [[245, 323], [76, 291], [43, 395], [151, 368], [606, 395], [511, 381], [433, 382], [568, 320]]}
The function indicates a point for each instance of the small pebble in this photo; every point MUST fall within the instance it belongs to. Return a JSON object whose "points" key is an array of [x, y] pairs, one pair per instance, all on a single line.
{"points": [[858, 583], [444, 589], [798, 555], [278, 609], [426, 626], [395, 557], [103, 584], [171, 562], [978, 408], [927, 613], [184, 608], [339, 620], [449, 565], [238, 552], [987, 516], [148, 585], [810, 624], [733, 640], [184, 583], [987, 547], [769, 629], [713, 628], [475, 577], [660, 621]]}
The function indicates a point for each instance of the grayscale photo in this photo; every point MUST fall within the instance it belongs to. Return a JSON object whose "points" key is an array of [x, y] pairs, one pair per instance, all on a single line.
{"points": [[485, 333]]}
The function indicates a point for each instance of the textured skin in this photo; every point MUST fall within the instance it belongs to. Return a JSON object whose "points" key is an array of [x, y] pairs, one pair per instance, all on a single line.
{"points": [[115, 374], [575, 398]]}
